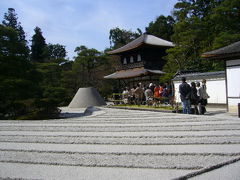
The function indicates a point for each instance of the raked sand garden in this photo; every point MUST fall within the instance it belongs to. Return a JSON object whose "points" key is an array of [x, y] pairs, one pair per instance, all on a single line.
{"points": [[121, 144]]}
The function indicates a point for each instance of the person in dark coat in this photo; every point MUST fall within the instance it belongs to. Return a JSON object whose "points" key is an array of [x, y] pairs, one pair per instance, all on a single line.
{"points": [[194, 98], [185, 92]]}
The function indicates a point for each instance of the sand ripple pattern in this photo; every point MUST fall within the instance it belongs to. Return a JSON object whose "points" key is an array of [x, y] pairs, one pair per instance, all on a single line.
{"points": [[133, 132]]}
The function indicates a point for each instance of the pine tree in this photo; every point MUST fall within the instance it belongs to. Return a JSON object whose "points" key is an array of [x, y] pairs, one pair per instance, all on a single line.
{"points": [[202, 26], [57, 53], [120, 37], [11, 20], [162, 27], [21, 93], [38, 47], [18, 78]]}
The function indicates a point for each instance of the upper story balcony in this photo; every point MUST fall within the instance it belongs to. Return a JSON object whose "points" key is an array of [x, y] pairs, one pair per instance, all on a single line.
{"points": [[130, 65]]}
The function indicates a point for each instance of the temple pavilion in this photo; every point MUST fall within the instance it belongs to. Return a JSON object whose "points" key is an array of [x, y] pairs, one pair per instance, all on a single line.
{"points": [[141, 60]]}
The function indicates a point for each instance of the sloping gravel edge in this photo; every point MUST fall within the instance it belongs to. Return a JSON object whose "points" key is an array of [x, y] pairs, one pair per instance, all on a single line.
{"points": [[140, 109], [207, 169]]}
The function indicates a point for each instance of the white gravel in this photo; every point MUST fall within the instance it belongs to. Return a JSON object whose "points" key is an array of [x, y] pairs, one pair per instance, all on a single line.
{"points": [[31, 171], [117, 144], [228, 172], [181, 149], [127, 160], [120, 134], [128, 140]]}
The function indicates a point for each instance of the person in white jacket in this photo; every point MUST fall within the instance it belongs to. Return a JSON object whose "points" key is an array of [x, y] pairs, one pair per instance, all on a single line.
{"points": [[203, 96]]}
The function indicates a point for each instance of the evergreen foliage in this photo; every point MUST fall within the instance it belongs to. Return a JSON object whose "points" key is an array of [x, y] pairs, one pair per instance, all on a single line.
{"points": [[162, 27], [18, 77], [22, 91], [89, 67], [56, 53], [11, 20], [39, 51], [119, 37], [202, 26]]}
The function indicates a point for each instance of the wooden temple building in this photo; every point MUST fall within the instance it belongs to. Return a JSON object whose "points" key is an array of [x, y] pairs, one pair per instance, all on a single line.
{"points": [[140, 60]]}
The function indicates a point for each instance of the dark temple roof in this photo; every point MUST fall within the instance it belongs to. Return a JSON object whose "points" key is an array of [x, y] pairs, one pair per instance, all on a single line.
{"points": [[200, 76], [130, 73], [143, 39], [230, 51]]}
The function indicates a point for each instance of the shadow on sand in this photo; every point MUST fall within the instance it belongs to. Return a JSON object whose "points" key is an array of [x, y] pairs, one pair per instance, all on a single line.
{"points": [[78, 112], [213, 113]]}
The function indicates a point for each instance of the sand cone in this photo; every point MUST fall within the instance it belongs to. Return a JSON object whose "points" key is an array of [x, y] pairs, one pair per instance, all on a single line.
{"points": [[86, 97]]}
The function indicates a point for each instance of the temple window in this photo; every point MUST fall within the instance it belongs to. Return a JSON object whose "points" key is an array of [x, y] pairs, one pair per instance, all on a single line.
{"points": [[131, 59], [139, 58], [125, 61]]}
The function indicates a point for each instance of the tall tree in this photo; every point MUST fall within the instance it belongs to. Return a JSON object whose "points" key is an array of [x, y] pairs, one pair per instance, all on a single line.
{"points": [[57, 53], [88, 69], [25, 91], [119, 37], [11, 20], [162, 27], [38, 47], [85, 64], [18, 77], [225, 19], [201, 26]]}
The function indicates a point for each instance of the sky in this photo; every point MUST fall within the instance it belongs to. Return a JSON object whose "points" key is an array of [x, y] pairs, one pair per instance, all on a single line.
{"points": [[73, 23]]}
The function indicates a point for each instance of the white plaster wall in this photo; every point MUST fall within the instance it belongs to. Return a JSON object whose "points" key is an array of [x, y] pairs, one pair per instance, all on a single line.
{"points": [[216, 89], [233, 81], [233, 85]]}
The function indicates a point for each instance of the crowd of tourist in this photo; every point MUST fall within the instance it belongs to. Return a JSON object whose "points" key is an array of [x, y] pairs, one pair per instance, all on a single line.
{"points": [[193, 96], [152, 94]]}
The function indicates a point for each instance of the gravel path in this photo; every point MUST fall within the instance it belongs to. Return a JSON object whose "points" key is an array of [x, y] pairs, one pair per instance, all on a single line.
{"points": [[119, 144]]}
